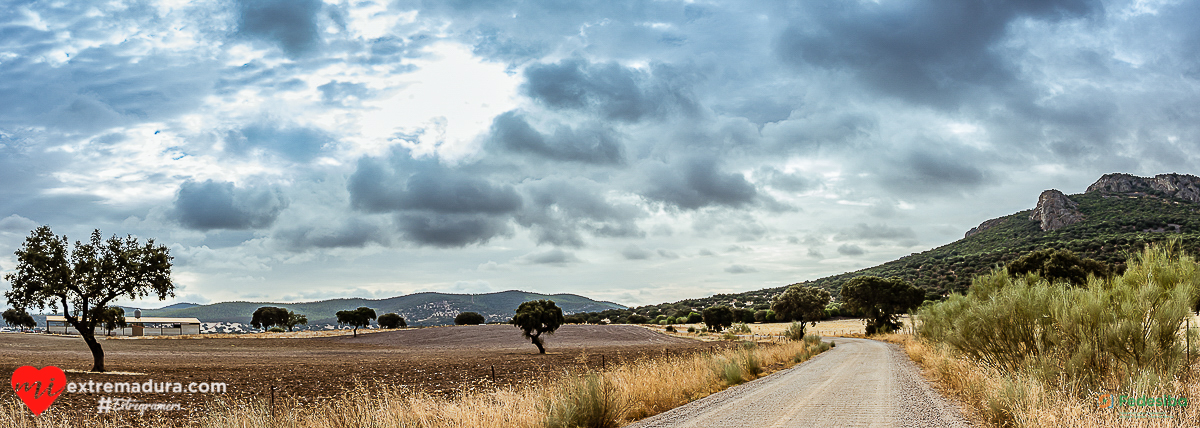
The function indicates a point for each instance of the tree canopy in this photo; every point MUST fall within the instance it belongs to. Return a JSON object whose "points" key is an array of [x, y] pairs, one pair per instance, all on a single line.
{"points": [[881, 300], [87, 277], [360, 317], [469, 318], [1059, 266], [536, 317], [392, 320], [19, 318], [802, 303], [717, 318], [295, 319], [268, 316], [112, 318]]}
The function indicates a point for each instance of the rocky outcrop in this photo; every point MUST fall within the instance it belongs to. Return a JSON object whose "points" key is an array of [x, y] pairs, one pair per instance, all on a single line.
{"points": [[1055, 210], [983, 226], [1182, 186]]}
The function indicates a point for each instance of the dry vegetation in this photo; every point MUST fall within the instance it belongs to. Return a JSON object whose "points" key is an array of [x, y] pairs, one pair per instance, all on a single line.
{"points": [[1022, 352], [594, 396]]}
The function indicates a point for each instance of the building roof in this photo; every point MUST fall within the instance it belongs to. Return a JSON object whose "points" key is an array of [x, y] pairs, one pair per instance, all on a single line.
{"points": [[142, 319]]}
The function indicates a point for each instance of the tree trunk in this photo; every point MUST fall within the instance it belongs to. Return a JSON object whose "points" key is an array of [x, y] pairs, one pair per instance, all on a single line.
{"points": [[537, 340], [97, 352], [355, 331]]}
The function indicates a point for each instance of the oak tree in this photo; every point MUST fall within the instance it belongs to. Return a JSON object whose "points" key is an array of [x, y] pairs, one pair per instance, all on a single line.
{"points": [[84, 279], [536, 317]]}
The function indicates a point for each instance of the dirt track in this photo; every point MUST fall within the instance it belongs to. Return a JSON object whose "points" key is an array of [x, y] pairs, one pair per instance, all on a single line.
{"points": [[443, 360], [859, 383]]}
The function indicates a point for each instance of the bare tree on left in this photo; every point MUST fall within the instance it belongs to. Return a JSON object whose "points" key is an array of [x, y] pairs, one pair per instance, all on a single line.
{"points": [[85, 279]]}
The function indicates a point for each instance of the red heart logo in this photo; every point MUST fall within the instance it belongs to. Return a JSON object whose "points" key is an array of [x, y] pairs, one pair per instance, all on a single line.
{"points": [[38, 388]]}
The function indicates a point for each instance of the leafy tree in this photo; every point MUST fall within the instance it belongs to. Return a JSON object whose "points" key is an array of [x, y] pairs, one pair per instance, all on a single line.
{"points": [[469, 318], [743, 315], [638, 319], [802, 303], [88, 277], [881, 300], [536, 317], [294, 319], [19, 318], [695, 317], [112, 317], [718, 317], [392, 320], [360, 317], [1059, 266], [760, 315], [579, 318], [268, 316]]}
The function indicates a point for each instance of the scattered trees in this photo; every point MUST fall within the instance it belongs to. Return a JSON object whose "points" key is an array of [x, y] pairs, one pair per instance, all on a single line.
{"points": [[19, 318], [392, 320], [802, 303], [360, 317], [88, 277], [112, 318], [881, 300], [469, 318], [718, 317], [536, 317]]}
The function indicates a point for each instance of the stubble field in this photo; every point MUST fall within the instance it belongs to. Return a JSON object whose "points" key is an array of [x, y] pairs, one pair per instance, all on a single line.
{"points": [[442, 361]]}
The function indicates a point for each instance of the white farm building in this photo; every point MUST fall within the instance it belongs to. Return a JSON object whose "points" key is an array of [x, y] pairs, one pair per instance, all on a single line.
{"points": [[141, 326]]}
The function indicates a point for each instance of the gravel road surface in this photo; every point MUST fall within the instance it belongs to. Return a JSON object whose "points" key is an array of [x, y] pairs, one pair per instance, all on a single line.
{"points": [[859, 383]]}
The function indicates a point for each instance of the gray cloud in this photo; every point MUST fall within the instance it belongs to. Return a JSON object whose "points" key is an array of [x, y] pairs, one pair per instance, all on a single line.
{"points": [[697, 183], [592, 144], [426, 185], [352, 233], [451, 229], [850, 250], [559, 210], [610, 90], [877, 231], [290, 24], [736, 269], [927, 51], [550, 257], [212, 205], [633, 252]]}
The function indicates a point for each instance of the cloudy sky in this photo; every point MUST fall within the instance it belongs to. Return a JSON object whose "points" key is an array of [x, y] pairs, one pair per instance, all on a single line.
{"points": [[634, 151]]}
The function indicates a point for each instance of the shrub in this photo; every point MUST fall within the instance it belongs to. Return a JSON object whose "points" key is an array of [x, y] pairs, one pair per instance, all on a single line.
{"points": [[739, 328], [1106, 333], [795, 331], [276, 330], [691, 329], [695, 318], [671, 328], [729, 336], [588, 401]]}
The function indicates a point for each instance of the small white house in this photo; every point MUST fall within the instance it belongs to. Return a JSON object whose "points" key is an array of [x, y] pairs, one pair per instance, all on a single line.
{"points": [[137, 326]]}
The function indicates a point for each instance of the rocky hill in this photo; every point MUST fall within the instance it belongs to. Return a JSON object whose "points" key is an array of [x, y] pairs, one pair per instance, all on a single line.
{"points": [[1117, 215]]}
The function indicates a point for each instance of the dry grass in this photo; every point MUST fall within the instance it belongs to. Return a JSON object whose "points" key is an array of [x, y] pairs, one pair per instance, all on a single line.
{"points": [[1006, 400], [624, 392], [850, 327]]}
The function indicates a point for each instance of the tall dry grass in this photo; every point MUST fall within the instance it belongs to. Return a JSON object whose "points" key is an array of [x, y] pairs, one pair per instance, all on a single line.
{"points": [[592, 398]]}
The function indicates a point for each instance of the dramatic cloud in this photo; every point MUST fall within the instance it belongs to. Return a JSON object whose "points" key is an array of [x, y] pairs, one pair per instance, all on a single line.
{"points": [[697, 183], [219, 205], [320, 148]]}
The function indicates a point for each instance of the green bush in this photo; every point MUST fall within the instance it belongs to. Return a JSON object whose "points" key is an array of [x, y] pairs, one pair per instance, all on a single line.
{"points": [[276, 330], [1085, 338], [671, 328], [691, 329]]}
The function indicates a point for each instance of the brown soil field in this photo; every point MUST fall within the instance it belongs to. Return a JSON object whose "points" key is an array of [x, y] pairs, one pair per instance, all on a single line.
{"points": [[439, 360]]}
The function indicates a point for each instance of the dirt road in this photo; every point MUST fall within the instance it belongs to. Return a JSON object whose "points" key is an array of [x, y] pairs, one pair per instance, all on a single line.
{"points": [[859, 383]]}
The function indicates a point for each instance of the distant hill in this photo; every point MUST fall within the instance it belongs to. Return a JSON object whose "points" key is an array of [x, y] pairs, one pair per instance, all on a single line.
{"points": [[1116, 216], [417, 309]]}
